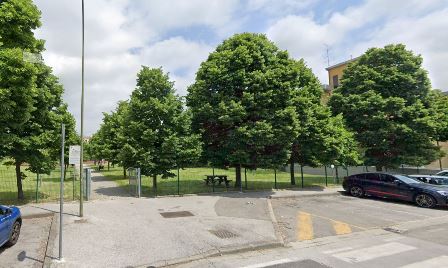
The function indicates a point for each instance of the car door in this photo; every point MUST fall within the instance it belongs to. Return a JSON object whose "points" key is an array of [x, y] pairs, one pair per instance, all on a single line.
{"points": [[4, 227], [394, 188], [371, 184]]}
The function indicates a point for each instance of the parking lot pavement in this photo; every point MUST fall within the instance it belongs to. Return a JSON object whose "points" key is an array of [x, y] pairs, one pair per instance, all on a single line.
{"points": [[153, 231], [341, 231], [30, 248], [314, 217]]}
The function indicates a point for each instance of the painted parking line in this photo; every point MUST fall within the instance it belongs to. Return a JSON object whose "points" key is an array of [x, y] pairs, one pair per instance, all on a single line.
{"points": [[304, 226], [341, 228], [438, 262], [270, 263], [379, 251], [337, 250]]}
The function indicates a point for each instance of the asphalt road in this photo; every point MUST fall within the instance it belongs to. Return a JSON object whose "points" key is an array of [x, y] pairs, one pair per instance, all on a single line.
{"points": [[342, 231]]}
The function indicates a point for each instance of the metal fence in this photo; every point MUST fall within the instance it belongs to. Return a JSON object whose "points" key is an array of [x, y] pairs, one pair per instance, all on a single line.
{"points": [[135, 182], [193, 181], [40, 187]]}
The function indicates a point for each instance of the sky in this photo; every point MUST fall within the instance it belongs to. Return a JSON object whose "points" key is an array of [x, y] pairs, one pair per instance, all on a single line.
{"points": [[177, 35]]}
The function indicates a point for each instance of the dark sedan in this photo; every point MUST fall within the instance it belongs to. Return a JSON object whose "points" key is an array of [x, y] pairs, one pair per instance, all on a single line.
{"points": [[396, 187], [431, 179]]}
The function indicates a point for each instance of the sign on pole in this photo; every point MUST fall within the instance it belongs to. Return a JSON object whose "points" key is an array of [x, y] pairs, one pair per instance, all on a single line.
{"points": [[74, 154]]}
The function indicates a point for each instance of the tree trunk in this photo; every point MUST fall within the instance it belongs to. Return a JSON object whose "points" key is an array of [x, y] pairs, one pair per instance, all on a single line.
{"points": [[379, 168], [124, 172], [19, 181], [108, 165], [154, 184], [65, 170], [238, 176], [291, 171], [440, 158]]}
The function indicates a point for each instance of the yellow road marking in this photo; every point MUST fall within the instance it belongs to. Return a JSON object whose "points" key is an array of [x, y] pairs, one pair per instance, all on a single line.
{"points": [[304, 226], [341, 228]]}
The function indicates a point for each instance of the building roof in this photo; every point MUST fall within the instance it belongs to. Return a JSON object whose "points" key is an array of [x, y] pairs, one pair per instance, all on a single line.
{"points": [[341, 63]]}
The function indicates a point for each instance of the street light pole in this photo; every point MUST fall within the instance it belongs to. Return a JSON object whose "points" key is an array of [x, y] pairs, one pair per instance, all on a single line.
{"points": [[81, 168]]}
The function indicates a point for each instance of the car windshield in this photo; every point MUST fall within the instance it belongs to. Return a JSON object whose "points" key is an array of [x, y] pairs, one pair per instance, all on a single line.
{"points": [[407, 179]]}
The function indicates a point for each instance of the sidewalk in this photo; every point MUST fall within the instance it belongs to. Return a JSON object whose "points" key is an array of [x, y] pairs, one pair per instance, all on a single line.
{"points": [[126, 231]]}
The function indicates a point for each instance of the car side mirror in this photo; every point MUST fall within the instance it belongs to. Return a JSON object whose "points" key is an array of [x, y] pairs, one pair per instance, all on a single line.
{"points": [[8, 211], [397, 182]]}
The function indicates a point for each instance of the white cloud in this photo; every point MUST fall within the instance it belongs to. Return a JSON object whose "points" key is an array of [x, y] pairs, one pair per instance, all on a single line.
{"points": [[418, 24], [122, 35]]}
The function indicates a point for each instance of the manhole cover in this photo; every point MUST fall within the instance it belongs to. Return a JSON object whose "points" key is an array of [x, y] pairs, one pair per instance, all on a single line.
{"points": [[393, 230], [176, 214], [223, 234]]}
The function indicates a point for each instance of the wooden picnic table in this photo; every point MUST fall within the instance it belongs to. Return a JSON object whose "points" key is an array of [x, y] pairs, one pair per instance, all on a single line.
{"points": [[217, 178]]}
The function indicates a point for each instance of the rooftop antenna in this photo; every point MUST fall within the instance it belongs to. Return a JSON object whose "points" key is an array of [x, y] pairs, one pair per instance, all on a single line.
{"points": [[327, 51]]}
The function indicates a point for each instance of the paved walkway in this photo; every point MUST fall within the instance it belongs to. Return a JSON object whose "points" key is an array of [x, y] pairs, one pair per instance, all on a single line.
{"points": [[104, 188]]}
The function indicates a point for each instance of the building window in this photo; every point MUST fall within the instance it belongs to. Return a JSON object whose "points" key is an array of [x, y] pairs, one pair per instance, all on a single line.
{"points": [[335, 81]]}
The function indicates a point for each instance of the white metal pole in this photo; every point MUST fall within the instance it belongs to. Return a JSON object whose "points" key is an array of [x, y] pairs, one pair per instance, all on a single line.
{"points": [[81, 209], [61, 191]]}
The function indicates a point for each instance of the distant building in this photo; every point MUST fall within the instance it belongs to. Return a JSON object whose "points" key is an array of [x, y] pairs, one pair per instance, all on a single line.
{"points": [[335, 73]]}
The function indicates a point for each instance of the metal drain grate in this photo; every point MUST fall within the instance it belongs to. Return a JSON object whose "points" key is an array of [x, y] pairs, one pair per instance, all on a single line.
{"points": [[176, 214], [223, 234]]}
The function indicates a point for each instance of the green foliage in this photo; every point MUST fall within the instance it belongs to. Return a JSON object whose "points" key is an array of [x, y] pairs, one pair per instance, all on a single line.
{"points": [[32, 109], [18, 19], [242, 103], [384, 98], [109, 140], [439, 114], [158, 136]]}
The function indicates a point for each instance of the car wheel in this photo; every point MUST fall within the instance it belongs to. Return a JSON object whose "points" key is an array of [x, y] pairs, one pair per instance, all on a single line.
{"points": [[425, 201], [15, 232], [356, 191]]}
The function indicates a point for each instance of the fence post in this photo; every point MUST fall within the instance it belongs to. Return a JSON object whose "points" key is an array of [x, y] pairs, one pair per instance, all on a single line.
{"points": [[337, 175], [301, 173], [139, 183], [74, 179], [178, 182], [37, 188], [275, 179], [245, 178], [326, 176]]}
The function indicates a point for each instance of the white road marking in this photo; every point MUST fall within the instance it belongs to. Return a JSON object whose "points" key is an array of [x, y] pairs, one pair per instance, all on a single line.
{"points": [[374, 252], [438, 262], [337, 250], [270, 263]]}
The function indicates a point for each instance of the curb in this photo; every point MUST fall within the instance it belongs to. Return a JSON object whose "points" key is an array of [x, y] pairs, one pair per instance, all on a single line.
{"points": [[277, 231], [304, 195], [214, 253], [51, 239]]}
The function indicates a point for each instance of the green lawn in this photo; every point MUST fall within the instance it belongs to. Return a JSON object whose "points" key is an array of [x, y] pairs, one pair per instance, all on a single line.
{"points": [[47, 189], [192, 181]]}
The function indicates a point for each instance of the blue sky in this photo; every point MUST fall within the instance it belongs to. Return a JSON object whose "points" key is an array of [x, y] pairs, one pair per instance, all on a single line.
{"points": [[123, 35]]}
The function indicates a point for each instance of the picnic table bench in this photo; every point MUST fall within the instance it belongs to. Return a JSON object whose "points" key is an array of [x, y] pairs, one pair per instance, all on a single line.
{"points": [[217, 178]]}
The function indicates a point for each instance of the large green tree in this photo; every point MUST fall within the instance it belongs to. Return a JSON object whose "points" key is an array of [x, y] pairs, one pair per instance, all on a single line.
{"points": [[242, 103], [158, 136], [32, 109], [320, 138], [383, 97], [439, 114]]}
